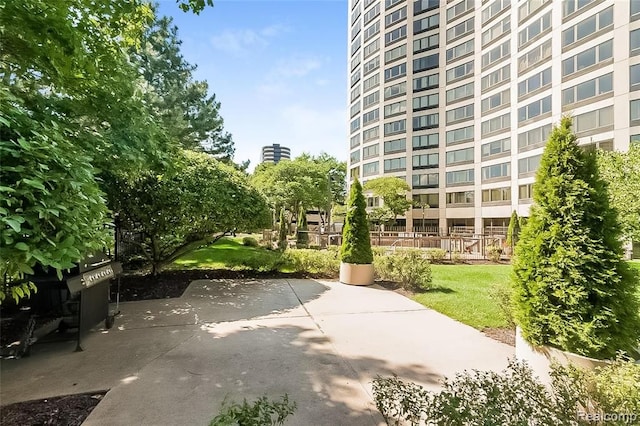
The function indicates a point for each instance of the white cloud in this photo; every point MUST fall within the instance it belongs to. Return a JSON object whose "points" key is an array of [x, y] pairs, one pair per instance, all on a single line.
{"points": [[241, 41], [295, 66]]}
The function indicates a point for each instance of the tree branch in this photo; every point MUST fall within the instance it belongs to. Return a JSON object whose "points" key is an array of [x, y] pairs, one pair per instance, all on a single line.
{"points": [[188, 247]]}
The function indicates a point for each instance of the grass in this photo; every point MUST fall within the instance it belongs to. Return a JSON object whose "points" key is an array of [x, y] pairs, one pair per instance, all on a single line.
{"points": [[462, 292], [226, 253]]}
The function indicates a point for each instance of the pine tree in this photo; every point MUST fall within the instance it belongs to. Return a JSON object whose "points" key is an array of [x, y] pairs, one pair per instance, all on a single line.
{"points": [[356, 245], [514, 229], [571, 288], [302, 233]]}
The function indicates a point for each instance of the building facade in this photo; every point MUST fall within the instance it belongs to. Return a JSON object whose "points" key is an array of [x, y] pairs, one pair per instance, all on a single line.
{"points": [[274, 153], [458, 97]]}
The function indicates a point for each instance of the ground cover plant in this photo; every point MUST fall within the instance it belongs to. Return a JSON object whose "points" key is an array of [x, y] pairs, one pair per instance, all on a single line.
{"points": [[261, 412]]}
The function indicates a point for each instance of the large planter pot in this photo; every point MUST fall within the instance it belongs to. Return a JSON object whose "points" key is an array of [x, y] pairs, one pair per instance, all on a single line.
{"points": [[540, 358], [354, 274]]}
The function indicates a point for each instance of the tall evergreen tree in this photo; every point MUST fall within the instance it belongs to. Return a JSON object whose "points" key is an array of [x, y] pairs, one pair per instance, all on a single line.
{"points": [[571, 288], [514, 229], [302, 231], [356, 243], [282, 231]]}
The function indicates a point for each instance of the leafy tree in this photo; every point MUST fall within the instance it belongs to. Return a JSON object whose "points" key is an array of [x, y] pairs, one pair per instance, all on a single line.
{"points": [[302, 230], [282, 231], [513, 230], [571, 288], [356, 243], [621, 170], [393, 192], [290, 184], [195, 203]]}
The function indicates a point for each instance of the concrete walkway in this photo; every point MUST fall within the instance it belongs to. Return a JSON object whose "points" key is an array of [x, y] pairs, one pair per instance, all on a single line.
{"points": [[173, 361]]}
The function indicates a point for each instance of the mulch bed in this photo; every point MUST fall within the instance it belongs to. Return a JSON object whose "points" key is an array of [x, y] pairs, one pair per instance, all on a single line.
{"points": [[68, 410]]}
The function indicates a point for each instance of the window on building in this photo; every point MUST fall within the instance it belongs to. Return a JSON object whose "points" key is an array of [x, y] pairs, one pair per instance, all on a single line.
{"points": [[425, 161], [371, 48], [370, 116], [457, 136], [459, 93], [460, 156], [370, 151], [588, 89], [370, 134], [399, 33], [395, 16], [398, 89], [355, 77], [428, 121], [422, 6], [372, 30], [460, 177], [370, 169], [395, 53], [354, 157], [634, 75], [528, 165], [496, 54], [426, 63], [460, 51], [431, 200], [426, 43], [535, 56], [395, 108], [356, 45], [534, 138], [587, 27], [388, 4], [587, 58], [536, 82], [534, 109], [395, 164], [425, 102], [529, 7], [355, 124], [460, 114], [494, 9], [634, 108], [496, 195], [572, 6], [394, 72], [634, 42], [496, 148], [502, 122], [459, 9], [496, 31], [460, 30], [395, 127], [355, 93], [496, 171], [494, 78], [600, 119], [427, 180], [426, 24], [355, 62], [425, 141], [495, 101], [355, 140], [460, 198], [425, 83], [395, 145], [525, 192], [371, 66], [461, 71], [371, 82], [534, 29], [371, 99], [371, 13], [355, 109]]}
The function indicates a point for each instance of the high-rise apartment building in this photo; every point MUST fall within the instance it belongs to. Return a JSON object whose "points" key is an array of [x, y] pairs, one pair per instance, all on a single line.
{"points": [[274, 153], [458, 97]]}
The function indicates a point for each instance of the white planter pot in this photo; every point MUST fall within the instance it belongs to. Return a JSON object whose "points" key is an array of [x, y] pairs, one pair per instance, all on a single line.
{"points": [[354, 274], [539, 358]]}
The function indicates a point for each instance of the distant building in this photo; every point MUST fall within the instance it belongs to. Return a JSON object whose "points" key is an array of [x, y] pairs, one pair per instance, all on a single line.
{"points": [[274, 153]]}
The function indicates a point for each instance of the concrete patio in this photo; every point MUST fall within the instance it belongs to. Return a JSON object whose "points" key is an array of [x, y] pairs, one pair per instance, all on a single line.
{"points": [[174, 361]]}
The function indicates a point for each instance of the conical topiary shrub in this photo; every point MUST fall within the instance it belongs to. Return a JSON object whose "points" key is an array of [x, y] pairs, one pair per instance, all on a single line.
{"points": [[302, 230], [513, 231], [282, 231], [571, 288], [356, 245]]}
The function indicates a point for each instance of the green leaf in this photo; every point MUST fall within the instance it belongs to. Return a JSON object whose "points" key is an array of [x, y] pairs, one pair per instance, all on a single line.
{"points": [[22, 246], [13, 224], [34, 183]]}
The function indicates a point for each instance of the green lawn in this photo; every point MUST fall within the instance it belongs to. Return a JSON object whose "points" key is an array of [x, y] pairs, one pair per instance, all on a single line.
{"points": [[226, 253], [462, 293]]}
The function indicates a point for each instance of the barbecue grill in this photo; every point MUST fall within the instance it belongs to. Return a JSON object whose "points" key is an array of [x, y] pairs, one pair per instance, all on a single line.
{"points": [[80, 300]]}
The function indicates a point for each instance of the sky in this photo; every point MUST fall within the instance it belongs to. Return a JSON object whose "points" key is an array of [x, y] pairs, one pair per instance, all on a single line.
{"points": [[278, 68]]}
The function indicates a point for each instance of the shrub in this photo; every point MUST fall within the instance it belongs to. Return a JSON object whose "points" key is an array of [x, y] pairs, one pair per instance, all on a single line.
{"points": [[514, 230], [571, 288], [356, 245], [436, 255], [261, 263], [502, 296], [322, 263], [493, 253], [261, 412], [250, 242], [407, 267], [282, 231], [456, 257], [513, 397]]}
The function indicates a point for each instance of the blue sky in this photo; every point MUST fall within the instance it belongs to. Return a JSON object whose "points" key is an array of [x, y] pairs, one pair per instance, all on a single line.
{"points": [[278, 68]]}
